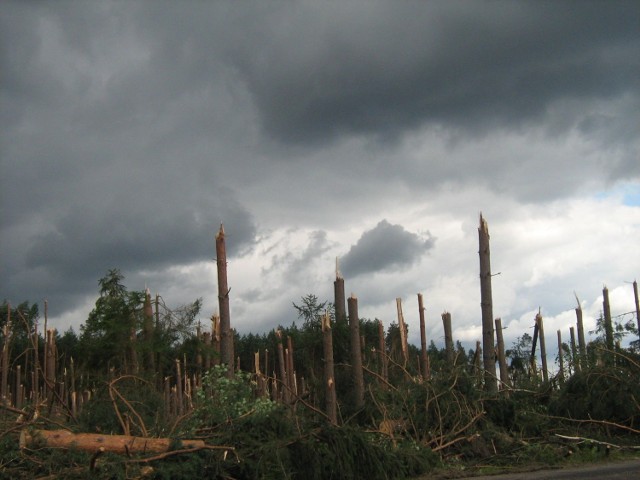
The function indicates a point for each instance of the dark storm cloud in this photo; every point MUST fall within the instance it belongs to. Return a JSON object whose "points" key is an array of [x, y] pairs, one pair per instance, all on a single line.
{"points": [[384, 247], [130, 130], [390, 66], [107, 154]]}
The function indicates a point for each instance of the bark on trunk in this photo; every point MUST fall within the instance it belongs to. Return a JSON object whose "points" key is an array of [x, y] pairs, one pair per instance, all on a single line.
{"points": [[608, 325], [356, 353], [635, 296], [543, 348], [424, 358], [91, 442], [486, 303], [339, 297], [448, 338], [582, 344], [226, 335], [502, 361], [574, 352], [403, 332], [560, 358], [329, 374]]}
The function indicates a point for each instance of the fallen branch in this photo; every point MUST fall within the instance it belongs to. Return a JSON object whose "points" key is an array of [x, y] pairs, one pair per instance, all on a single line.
{"points": [[597, 442], [597, 422], [172, 453]]}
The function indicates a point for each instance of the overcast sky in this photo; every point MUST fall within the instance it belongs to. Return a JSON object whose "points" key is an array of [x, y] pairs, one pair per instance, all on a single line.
{"points": [[372, 131]]}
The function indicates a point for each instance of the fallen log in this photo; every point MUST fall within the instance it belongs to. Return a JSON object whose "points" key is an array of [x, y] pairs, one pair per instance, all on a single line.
{"points": [[124, 444]]}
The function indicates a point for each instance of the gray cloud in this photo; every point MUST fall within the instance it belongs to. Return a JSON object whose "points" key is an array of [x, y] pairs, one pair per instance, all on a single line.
{"points": [[128, 132], [384, 247], [461, 64]]}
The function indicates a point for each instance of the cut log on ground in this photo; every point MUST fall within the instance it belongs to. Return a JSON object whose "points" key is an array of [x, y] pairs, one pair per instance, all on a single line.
{"points": [[92, 442]]}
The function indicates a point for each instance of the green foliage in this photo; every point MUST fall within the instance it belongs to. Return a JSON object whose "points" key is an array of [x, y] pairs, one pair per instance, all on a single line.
{"points": [[601, 393], [222, 399], [106, 335], [343, 452]]}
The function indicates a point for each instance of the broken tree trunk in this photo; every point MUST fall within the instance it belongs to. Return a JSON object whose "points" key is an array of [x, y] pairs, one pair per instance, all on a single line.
{"points": [[502, 361], [403, 332], [147, 333], [582, 344], [574, 353], [282, 369], [486, 304], [543, 348], [608, 325], [534, 344], [356, 353], [560, 358], [338, 290], [4, 360], [329, 375], [226, 335], [424, 358], [635, 296], [382, 355], [92, 442], [448, 338]]}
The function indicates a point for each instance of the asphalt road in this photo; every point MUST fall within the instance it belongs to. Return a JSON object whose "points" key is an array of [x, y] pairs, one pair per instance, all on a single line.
{"points": [[626, 470]]}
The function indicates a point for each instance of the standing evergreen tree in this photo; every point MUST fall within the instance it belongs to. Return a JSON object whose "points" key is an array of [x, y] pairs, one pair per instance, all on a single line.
{"points": [[106, 337]]}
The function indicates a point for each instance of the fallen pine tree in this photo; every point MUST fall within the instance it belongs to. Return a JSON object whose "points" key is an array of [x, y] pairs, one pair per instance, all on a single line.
{"points": [[91, 442]]}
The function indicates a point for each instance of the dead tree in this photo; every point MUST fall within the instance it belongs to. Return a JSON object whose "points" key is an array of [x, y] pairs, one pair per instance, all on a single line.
{"points": [[4, 360], [582, 344], [226, 334], [123, 444], [486, 303], [560, 358], [635, 296], [543, 347], [329, 374], [502, 361], [356, 353], [608, 324], [448, 338], [424, 357], [382, 355], [147, 334], [339, 300], [282, 364], [574, 352], [403, 332]]}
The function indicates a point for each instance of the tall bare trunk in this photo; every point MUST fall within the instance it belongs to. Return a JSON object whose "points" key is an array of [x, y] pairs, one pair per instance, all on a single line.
{"points": [[329, 374], [560, 358], [339, 296], [356, 353], [403, 332], [543, 347], [448, 338], [382, 355], [635, 296], [226, 334], [502, 361], [486, 303], [282, 369], [424, 357], [609, 357], [147, 333], [574, 352], [582, 344]]}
